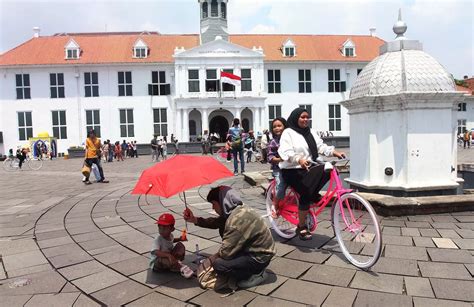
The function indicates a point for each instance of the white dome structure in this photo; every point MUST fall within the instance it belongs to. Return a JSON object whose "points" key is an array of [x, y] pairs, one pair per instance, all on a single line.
{"points": [[402, 110]]}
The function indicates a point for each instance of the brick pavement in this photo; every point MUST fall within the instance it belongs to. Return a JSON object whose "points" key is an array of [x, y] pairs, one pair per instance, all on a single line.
{"points": [[66, 244]]}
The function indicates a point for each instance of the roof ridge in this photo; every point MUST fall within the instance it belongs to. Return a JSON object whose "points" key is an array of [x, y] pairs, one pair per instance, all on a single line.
{"points": [[24, 43]]}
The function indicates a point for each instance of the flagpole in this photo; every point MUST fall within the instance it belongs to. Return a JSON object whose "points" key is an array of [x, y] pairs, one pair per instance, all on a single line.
{"points": [[220, 84]]}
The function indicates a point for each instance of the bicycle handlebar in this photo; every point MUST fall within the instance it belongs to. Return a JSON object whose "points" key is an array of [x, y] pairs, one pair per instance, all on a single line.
{"points": [[320, 161]]}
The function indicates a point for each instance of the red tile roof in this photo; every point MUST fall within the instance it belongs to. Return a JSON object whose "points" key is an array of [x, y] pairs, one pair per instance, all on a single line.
{"points": [[108, 48], [460, 88]]}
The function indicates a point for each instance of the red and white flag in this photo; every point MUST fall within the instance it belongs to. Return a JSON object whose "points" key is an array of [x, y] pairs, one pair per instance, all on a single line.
{"points": [[227, 77]]}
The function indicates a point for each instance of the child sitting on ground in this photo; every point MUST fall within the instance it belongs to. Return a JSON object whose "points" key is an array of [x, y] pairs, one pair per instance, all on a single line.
{"points": [[165, 255]]}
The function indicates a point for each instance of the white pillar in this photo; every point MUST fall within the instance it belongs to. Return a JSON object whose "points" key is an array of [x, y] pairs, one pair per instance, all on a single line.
{"points": [[204, 120], [263, 121], [254, 119], [185, 137], [237, 113], [178, 132]]}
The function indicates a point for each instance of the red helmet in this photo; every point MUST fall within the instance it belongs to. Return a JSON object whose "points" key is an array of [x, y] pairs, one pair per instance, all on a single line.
{"points": [[165, 219]]}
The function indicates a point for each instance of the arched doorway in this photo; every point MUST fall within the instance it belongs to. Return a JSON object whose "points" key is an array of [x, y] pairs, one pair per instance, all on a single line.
{"points": [[247, 119], [220, 125]]}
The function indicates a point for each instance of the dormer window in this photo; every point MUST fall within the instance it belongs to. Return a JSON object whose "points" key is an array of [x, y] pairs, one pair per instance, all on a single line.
{"points": [[72, 50], [140, 49], [289, 48], [348, 48]]}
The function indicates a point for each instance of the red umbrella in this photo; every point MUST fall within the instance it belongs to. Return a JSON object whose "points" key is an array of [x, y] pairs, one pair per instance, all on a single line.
{"points": [[179, 174]]}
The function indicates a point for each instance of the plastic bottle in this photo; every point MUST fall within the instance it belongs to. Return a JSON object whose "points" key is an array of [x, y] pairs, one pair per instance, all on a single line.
{"points": [[199, 257]]}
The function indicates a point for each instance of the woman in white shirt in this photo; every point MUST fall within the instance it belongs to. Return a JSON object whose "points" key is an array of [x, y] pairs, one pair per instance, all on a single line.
{"points": [[298, 146]]}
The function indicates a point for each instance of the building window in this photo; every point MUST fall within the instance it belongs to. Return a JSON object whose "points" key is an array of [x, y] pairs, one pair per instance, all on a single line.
{"points": [[125, 83], [59, 124], [93, 121], [334, 81], [359, 70], [72, 54], [349, 51], [273, 112], [226, 87], [223, 10], [126, 123], [140, 52], [160, 122], [308, 109], [289, 51], [158, 86], [304, 80], [274, 81], [334, 117], [91, 84], [212, 83], [214, 9], [193, 81], [204, 10], [25, 126], [56, 82], [246, 80], [462, 107], [461, 126], [23, 86]]}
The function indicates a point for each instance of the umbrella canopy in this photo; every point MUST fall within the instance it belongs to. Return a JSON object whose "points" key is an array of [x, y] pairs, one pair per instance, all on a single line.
{"points": [[179, 174]]}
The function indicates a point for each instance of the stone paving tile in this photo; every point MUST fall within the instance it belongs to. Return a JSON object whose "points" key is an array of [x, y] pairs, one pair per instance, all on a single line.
{"points": [[396, 266], [420, 224], [461, 290], [417, 286], [121, 293], [115, 256], [84, 301], [15, 300], [423, 242], [377, 299], [303, 292], [272, 282], [433, 233], [55, 242], [406, 252], [42, 282], [11, 247], [283, 249], [29, 270], [288, 267], [465, 243], [466, 233], [429, 302], [69, 259], [444, 225], [330, 275], [391, 231], [443, 218], [386, 222], [448, 255], [470, 268], [98, 281], [410, 232], [340, 297], [68, 288], [152, 280], [180, 288], [22, 260], [260, 301], [397, 240], [211, 298], [95, 244], [378, 282], [61, 250], [444, 270], [444, 243], [53, 300], [95, 235], [309, 255], [132, 265], [449, 233], [154, 299], [82, 269]]}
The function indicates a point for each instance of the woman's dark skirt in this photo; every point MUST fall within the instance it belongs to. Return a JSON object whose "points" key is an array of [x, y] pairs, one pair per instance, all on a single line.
{"points": [[306, 183]]}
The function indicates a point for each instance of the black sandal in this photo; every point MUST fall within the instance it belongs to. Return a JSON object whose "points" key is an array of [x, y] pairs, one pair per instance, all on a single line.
{"points": [[303, 233]]}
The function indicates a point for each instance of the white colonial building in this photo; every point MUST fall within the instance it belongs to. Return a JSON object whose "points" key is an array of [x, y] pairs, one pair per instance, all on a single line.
{"points": [[133, 85]]}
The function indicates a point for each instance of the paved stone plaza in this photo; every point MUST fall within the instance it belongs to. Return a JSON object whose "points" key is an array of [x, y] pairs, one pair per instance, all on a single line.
{"points": [[66, 244]]}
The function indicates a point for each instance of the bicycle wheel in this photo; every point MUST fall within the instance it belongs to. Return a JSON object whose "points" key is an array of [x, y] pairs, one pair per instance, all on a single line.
{"points": [[35, 164], [357, 230], [11, 164], [280, 225]]}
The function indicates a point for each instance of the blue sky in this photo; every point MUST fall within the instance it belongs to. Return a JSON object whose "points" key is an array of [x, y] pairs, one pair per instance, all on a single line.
{"points": [[445, 27]]}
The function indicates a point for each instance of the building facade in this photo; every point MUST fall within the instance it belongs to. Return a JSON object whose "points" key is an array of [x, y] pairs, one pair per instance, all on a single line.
{"points": [[129, 86]]}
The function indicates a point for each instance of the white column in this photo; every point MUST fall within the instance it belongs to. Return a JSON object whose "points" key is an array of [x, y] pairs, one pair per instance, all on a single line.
{"points": [[204, 120], [178, 132], [263, 122], [254, 119], [185, 136], [237, 113]]}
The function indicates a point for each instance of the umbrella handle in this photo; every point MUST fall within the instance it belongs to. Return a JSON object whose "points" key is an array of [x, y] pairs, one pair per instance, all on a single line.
{"points": [[146, 194]]}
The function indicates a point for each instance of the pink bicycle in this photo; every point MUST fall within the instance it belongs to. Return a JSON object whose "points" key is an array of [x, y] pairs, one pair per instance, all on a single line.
{"points": [[353, 219]]}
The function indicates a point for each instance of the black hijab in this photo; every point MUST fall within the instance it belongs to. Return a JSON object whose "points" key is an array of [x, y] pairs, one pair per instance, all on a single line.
{"points": [[305, 132]]}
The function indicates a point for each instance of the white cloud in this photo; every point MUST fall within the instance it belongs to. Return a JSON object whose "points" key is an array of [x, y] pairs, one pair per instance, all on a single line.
{"points": [[262, 29]]}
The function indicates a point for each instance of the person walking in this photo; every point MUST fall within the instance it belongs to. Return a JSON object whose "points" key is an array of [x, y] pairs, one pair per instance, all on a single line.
{"points": [[164, 148], [264, 145], [467, 139], [124, 149], [118, 151], [93, 147], [154, 149], [237, 146]]}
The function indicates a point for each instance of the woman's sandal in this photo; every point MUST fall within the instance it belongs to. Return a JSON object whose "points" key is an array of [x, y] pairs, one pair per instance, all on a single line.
{"points": [[303, 233]]}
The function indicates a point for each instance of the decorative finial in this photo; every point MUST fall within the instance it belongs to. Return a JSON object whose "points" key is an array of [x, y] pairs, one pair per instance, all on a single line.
{"points": [[400, 27]]}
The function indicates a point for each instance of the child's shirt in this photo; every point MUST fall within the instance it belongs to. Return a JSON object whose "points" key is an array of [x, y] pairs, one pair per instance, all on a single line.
{"points": [[161, 244], [273, 152]]}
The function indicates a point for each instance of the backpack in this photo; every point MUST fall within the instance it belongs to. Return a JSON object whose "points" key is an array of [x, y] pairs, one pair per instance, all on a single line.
{"points": [[237, 140], [208, 278]]}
